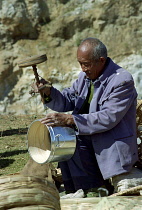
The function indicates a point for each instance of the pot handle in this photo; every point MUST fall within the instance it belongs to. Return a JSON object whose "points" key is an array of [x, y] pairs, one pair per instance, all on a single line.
{"points": [[57, 139]]}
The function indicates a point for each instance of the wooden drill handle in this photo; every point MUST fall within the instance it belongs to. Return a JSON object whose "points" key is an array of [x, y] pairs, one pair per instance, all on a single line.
{"points": [[36, 74], [38, 81]]}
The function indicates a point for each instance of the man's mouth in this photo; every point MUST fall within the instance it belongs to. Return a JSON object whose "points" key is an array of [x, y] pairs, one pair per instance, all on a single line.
{"points": [[88, 74]]}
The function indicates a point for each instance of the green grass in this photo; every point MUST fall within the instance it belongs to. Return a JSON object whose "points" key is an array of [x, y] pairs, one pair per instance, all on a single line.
{"points": [[13, 142]]}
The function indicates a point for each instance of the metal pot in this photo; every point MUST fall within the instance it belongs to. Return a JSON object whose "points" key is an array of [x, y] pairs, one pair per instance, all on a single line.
{"points": [[50, 144]]}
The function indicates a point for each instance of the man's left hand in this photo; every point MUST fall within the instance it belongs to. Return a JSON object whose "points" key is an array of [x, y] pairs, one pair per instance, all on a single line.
{"points": [[58, 119]]}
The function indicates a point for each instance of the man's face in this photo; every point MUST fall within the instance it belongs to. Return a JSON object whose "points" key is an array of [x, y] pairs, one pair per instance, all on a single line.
{"points": [[92, 68]]}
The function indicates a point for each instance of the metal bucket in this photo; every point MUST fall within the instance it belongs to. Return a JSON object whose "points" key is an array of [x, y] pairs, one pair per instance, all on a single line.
{"points": [[50, 144]]}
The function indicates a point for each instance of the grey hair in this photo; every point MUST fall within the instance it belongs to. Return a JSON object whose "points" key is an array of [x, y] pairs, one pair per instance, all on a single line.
{"points": [[99, 49]]}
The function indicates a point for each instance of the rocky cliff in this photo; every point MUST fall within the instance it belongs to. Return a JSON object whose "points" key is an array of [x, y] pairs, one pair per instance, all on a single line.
{"points": [[55, 28]]}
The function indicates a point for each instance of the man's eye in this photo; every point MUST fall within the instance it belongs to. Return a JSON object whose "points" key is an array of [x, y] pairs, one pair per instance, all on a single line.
{"points": [[86, 64]]}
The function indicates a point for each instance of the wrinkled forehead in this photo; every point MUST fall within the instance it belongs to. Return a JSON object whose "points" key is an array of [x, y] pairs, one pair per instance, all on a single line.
{"points": [[85, 51], [85, 46]]}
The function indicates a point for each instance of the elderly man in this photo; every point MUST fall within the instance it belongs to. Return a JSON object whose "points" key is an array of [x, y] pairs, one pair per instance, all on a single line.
{"points": [[103, 101]]}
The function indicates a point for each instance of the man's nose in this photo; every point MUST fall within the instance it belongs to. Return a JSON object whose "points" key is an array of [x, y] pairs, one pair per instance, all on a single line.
{"points": [[84, 69]]}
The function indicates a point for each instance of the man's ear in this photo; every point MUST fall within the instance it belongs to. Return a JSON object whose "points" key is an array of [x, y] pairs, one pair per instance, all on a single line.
{"points": [[102, 60]]}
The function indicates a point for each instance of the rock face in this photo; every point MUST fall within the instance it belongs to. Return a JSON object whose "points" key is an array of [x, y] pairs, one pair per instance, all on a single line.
{"points": [[55, 28]]}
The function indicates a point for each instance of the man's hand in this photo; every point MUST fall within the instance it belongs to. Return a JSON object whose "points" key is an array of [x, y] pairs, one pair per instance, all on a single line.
{"points": [[58, 119], [43, 87]]}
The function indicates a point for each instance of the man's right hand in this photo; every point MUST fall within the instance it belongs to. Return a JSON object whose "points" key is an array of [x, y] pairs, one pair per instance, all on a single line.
{"points": [[43, 87]]}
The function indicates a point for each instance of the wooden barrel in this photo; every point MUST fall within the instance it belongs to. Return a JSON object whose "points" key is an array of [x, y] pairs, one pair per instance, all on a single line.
{"points": [[20, 192]]}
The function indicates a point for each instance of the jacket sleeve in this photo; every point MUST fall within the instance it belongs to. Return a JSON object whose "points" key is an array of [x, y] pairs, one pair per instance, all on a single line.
{"points": [[63, 101], [112, 110]]}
